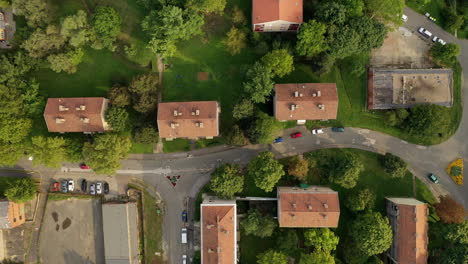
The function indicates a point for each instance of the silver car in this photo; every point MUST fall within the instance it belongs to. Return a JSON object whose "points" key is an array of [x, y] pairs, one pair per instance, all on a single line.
{"points": [[92, 189], [99, 188]]}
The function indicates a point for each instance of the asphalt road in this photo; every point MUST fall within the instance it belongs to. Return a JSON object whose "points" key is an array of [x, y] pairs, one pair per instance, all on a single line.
{"points": [[195, 170]]}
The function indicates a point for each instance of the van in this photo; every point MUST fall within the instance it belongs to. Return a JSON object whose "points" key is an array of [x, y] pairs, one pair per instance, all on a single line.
{"points": [[425, 32], [184, 235]]}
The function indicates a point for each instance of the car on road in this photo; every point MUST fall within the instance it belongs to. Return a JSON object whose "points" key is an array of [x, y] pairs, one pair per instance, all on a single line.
{"points": [[106, 188], [55, 187], [278, 140], [296, 135], [404, 18], [441, 41], [184, 236], [71, 185], [92, 189], [430, 17], [184, 215], [425, 32], [99, 188], [435, 38], [184, 259], [337, 129], [83, 166], [84, 185], [64, 186], [317, 131], [433, 178]]}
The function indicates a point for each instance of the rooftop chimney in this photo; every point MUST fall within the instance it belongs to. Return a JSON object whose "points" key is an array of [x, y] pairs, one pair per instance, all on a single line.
{"points": [[84, 119], [199, 124], [59, 120], [63, 108], [296, 94], [309, 207], [318, 93], [321, 106], [293, 107], [176, 113], [325, 205], [301, 95], [294, 205], [197, 112], [81, 107], [174, 125]]}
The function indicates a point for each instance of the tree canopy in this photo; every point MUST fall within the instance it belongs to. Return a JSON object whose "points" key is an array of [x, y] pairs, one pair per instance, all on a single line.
{"points": [[146, 135], [259, 83], [311, 39], [207, 6], [117, 118], [106, 24], [21, 190], [445, 55], [288, 241], [394, 165], [119, 96], [143, 91], [449, 210], [272, 257], [227, 180], [265, 170], [236, 40], [428, 120], [317, 257], [387, 11], [263, 128], [344, 169], [371, 233], [279, 62], [360, 200], [36, 12], [49, 151], [322, 239], [256, 224], [298, 167], [66, 62]]}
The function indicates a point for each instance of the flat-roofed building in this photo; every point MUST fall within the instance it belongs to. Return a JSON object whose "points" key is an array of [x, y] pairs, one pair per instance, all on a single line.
{"points": [[277, 15], [11, 214]]}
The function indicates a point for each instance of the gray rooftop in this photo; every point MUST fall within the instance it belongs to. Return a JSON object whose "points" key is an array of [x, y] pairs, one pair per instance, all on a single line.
{"points": [[120, 233], [4, 221]]}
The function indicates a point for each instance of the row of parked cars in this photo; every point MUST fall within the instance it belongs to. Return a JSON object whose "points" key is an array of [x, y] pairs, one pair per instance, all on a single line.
{"points": [[69, 186], [315, 131], [428, 34]]}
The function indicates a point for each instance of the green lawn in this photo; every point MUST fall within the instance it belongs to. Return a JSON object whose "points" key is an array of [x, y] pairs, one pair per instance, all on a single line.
{"points": [[141, 148], [176, 145], [152, 229]]}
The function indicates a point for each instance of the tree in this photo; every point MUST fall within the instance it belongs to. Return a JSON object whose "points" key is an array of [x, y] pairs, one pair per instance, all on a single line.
{"points": [[227, 180], [265, 170], [74, 147], [207, 6], [106, 24], [456, 233], [344, 42], [371, 233], [272, 257], [117, 118], [360, 200], [41, 43], [263, 128], [456, 171], [317, 257], [36, 12], [345, 169], [298, 167], [311, 39], [49, 151], [169, 24], [236, 137], [143, 92], [288, 241], [387, 11], [331, 12], [107, 151], [259, 83], [450, 211], [21, 190], [256, 224], [76, 28], [15, 65], [238, 16], [10, 153], [279, 62], [244, 108], [13, 129], [452, 20], [371, 32], [119, 96], [235, 40], [354, 7], [428, 120], [445, 55], [66, 62], [394, 165], [146, 135], [322, 239]]}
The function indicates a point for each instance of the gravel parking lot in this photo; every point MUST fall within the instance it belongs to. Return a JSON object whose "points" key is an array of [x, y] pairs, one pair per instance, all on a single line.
{"points": [[72, 232]]}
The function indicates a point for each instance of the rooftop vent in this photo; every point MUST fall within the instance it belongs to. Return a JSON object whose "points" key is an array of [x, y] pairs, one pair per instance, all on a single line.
{"points": [[301, 95], [84, 120], [296, 94], [199, 124], [325, 205], [309, 207], [294, 205], [293, 107], [325, 216], [319, 93], [59, 120], [174, 125], [81, 108], [63, 108], [176, 113], [293, 216], [321, 106]]}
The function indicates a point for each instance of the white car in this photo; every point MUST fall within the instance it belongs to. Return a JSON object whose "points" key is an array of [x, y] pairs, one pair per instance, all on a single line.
{"points": [[441, 41], [425, 32], [404, 17], [317, 131], [98, 187], [184, 259], [92, 189], [71, 185]]}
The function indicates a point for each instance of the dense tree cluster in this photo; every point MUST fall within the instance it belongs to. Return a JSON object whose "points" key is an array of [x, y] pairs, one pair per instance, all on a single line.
{"points": [[256, 224], [371, 233], [265, 170], [450, 211], [360, 200], [21, 190], [394, 165], [227, 180]]}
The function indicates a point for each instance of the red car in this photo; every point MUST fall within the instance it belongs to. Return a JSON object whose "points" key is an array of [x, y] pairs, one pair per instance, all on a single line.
{"points": [[296, 135], [84, 166], [55, 187]]}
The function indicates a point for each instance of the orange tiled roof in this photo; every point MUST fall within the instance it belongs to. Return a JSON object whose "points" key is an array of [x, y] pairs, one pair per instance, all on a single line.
{"points": [[314, 206], [272, 10], [300, 97], [218, 234], [65, 114], [188, 119]]}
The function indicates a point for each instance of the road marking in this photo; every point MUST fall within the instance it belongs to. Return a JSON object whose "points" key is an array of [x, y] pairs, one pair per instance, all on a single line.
{"points": [[421, 147]]}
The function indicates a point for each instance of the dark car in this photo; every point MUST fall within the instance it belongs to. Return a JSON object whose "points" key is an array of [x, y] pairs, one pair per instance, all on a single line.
{"points": [[278, 140], [433, 178], [106, 188], [64, 186], [184, 215], [337, 129], [84, 185]]}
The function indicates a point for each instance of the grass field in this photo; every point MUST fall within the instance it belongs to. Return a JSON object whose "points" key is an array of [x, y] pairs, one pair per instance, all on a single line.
{"points": [[176, 145], [141, 148], [152, 229]]}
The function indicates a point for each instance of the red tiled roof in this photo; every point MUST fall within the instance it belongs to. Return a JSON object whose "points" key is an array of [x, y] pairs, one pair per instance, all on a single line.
{"points": [[218, 234], [306, 105], [180, 119], [65, 114], [314, 206], [272, 10]]}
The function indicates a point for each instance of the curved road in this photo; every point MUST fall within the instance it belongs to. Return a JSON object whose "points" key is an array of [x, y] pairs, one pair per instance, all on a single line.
{"points": [[195, 170]]}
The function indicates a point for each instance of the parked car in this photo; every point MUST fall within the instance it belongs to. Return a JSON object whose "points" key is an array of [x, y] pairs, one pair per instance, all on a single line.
{"points": [[99, 188], [404, 17], [430, 17], [64, 186], [433, 178], [71, 185], [425, 32], [83, 166], [278, 140], [441, 41], [184, 236], [184, 259], [84, 185], [55, 187], [296, 135], [106, 188], [435, 38], [92, 189], [337, 129], [184, 215], [317, 131]]}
